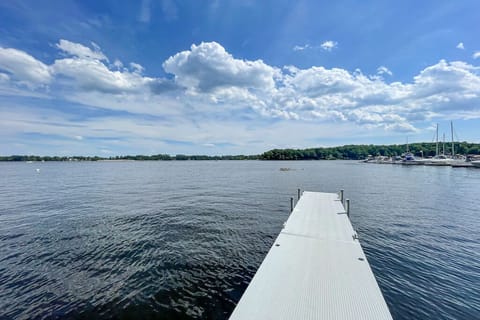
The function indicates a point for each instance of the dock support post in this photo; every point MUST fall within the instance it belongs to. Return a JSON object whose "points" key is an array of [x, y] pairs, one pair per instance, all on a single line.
{"points": [[341, 195], [291, 204], [298, 194], [347, 204]]}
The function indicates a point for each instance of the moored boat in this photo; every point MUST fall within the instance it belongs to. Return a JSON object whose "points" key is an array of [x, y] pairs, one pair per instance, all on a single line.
{"points": [[461, 164], [476, 163], [410, 160]]}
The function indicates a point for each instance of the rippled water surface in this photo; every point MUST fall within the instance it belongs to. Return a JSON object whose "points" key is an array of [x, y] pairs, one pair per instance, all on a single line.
{"points": [[181, 240]]}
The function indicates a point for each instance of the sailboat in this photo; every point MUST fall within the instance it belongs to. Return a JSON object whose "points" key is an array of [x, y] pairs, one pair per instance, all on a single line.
{"points": [[441, 159], [457, 161], [409, 158]]}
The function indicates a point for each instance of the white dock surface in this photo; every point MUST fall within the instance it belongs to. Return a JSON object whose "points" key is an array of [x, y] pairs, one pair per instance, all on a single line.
{"points": [[314, 270]]}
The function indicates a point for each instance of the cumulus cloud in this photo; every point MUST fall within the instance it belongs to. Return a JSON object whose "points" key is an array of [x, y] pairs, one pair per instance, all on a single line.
{"points": [[384, 70], [445, 80], [329, 45], [23, 68], [161, 86], [439, 90], [118, 64], [93, 75], [86, 69], [460, 46], [209, 66], [476, 55], [318, 81], [206, 79], [136, 67], [336, 94]]}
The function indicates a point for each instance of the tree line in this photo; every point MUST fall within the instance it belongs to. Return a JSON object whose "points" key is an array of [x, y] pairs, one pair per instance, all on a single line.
{"points": [[358, 152], [165, 157], [347, 152]]}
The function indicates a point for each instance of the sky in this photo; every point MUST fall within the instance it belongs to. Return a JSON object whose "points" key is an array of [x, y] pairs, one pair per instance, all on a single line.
{"points": [[214, 77]]}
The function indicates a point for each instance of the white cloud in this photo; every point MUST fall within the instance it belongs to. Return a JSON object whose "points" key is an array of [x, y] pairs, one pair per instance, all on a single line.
{"points": [[384, 70], [80, 51], [118, 64], [136, 67], [149, 136], [23, 68], [447, 80], [439, 90], [86, 69], [460, 46], [476, 55], [208, 67], [78, 137], [401, 127], [318, 81], [329, 45], [301, 48], [209, 82], [93, 75]]}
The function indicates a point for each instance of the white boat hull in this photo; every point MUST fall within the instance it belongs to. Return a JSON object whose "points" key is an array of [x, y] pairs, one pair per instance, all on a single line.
{"points": [[476, 164]]}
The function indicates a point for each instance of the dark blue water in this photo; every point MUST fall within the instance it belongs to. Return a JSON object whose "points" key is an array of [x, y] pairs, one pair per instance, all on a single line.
{"points": [[181, 240]]}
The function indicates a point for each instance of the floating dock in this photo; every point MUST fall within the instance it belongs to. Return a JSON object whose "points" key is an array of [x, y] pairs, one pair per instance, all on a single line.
{"points": [[316, 269]]}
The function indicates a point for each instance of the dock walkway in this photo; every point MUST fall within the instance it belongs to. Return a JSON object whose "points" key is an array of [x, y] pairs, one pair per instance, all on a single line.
{"points": [[316, 269]]}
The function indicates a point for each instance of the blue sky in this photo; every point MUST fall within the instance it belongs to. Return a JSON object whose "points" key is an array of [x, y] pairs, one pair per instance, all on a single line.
{"points": [[229, 77]]}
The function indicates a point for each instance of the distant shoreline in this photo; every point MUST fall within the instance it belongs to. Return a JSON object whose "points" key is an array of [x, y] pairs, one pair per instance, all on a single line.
{"points": [[346, 152]]}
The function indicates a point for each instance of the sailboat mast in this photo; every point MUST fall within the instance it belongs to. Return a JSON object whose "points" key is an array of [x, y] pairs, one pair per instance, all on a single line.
{"points": [[436, 149], [453, 144], [443, 144]]}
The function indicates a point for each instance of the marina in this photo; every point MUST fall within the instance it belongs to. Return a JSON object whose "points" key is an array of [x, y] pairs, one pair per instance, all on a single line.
{"points": [[439, 159], [446, 162], [316, 269]]}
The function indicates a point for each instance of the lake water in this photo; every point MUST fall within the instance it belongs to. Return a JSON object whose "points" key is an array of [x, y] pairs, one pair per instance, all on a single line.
{"points": [[181, 240]]}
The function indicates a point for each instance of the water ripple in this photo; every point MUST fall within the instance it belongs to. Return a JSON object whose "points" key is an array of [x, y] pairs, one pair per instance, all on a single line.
{"points": [[182, 240]]}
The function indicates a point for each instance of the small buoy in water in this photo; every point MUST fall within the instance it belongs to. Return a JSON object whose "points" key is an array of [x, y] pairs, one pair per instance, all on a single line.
{"points": [[38, 170]]}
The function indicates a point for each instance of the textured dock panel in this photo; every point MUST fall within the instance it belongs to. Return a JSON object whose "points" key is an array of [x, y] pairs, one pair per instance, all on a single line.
{"points": [[315, 269]]}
